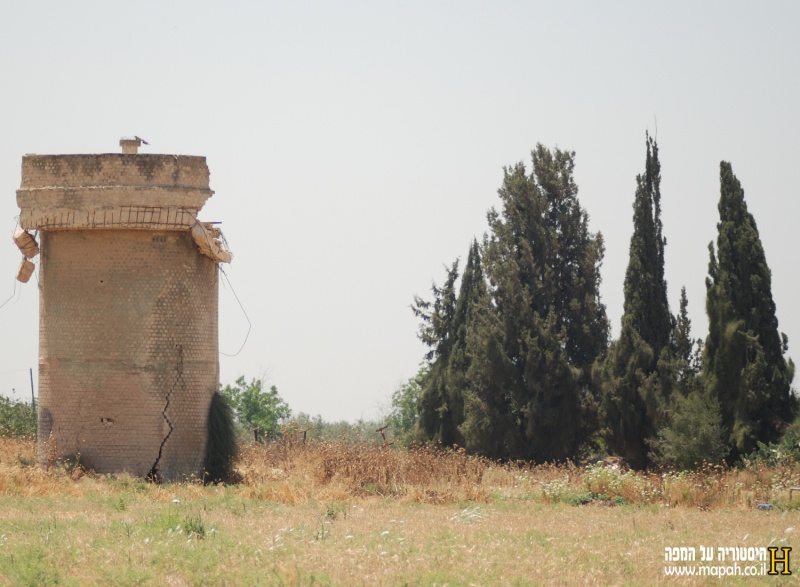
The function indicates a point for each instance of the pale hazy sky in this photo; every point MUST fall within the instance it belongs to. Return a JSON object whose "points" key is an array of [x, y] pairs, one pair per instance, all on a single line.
{"points": [[355, 148]]}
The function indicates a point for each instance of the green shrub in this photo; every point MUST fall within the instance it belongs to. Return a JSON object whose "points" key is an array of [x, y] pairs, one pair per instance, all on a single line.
{"points": [[694, 435], [194, 526], [784, 452], [16, 418], [221, 447]]}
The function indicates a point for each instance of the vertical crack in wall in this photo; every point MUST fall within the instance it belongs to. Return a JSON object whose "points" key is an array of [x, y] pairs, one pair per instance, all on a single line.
{"points": [[154, 474]]}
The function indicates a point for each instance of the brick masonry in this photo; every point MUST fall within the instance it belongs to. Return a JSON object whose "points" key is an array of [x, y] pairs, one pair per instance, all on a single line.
{"points": [[128, 334], [112, 191]]}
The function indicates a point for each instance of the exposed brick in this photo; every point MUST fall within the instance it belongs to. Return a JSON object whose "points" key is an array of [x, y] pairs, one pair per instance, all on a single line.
{"points": [[128, 310]]}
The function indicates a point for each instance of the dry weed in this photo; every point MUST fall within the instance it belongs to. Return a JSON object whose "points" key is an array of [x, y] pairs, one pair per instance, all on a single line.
{"points": [[293, 473]]}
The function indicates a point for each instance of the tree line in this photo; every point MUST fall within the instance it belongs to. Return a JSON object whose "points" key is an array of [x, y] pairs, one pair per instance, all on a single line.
{"points": [[520, 364]]}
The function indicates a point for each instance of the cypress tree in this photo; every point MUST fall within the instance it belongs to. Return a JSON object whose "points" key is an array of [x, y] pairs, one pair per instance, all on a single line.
{"points": [[633, 395], [743, 365], [489, 426], [550, 325], [571, 287], [684, 350], [446, 326], [436, 331], [646, 303], [472, 293]]}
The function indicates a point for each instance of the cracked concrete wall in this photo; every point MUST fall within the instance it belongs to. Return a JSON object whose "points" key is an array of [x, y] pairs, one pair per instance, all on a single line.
{"points": [[128, 323], [128, 336]]}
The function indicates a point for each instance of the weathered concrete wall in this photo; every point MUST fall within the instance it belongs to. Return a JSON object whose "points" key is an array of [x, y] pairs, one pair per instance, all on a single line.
{"points": [[128, 309], [112, 191], [128, 349]]}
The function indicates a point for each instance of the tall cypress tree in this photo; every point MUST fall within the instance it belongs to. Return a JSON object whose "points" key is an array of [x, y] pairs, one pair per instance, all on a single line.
{"points": [[646, 303], [543, 264], [446, 326], [633, 396], [573, 258], [743, 364], [471, 294], [490, 424], [436, 331]]}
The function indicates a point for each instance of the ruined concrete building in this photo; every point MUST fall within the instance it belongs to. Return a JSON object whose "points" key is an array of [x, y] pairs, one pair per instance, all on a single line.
{"points": [[128, 345]]}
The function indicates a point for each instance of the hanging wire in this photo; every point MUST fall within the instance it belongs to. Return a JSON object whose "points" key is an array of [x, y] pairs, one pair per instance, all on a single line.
{"points": [[249, 324], [13, 293]]}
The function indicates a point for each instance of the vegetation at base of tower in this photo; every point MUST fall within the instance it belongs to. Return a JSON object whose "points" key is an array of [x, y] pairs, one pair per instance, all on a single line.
{"points": [[16, 418], [221, 445], [259, 411], [744, 367]]}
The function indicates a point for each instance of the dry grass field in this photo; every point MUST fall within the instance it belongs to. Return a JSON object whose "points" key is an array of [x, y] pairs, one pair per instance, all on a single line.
{"points": [[339, 514]]}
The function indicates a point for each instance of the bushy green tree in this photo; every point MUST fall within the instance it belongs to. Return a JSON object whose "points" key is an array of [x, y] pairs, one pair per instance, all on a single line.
{"points": [[744, 367], [690, 427], [259, 410], [634, 394], [404, 415], [510, 361], [544, 324], [16, 418], [784, 452], [693, 435]]}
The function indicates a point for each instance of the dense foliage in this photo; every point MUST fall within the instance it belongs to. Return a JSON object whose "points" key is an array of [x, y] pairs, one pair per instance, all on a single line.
{"points": [[258, 410], [519, 364], [744, 366], [634, 390], [16, 418], [221, 446], [511, 352]]}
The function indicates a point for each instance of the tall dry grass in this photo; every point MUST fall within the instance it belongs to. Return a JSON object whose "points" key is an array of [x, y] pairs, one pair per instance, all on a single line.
{"points": [[293, 472], [352, 470]]}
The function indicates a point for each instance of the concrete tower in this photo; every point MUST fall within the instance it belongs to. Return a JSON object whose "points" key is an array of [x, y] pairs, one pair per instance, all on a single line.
{"points": [[128, 345]]}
